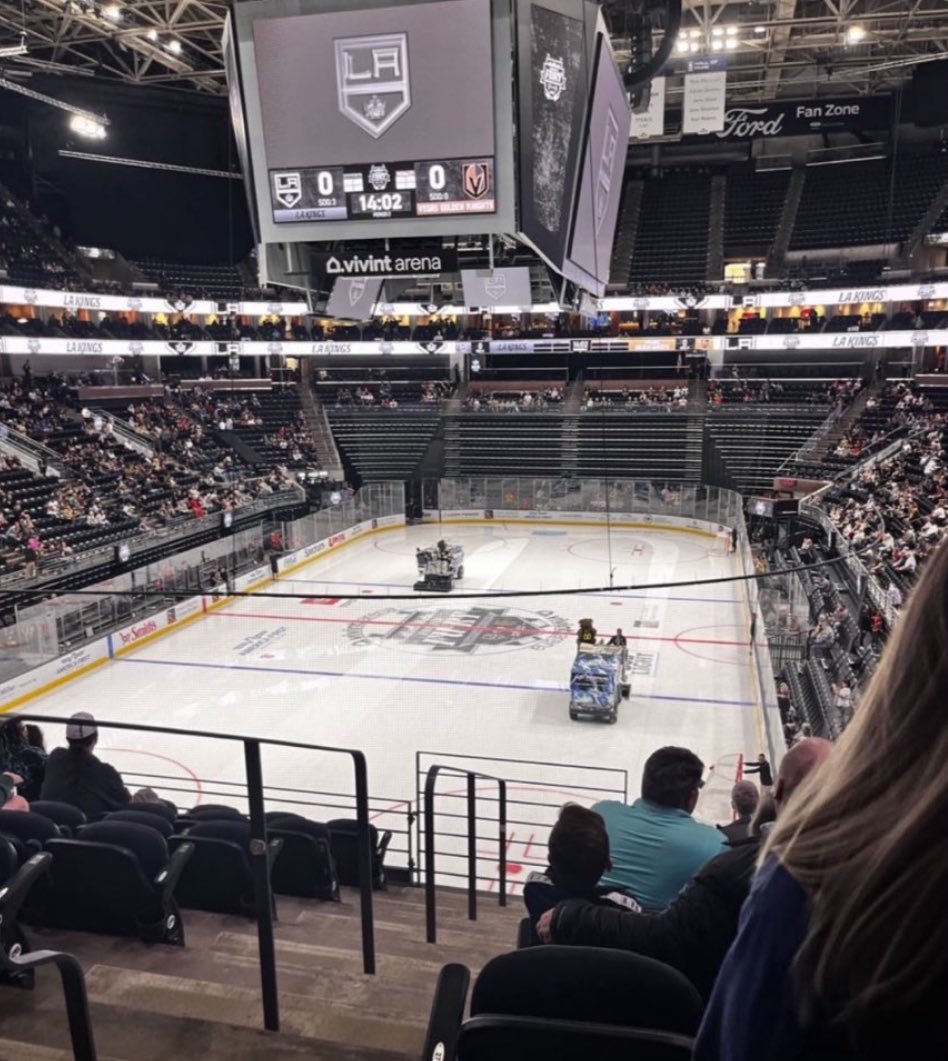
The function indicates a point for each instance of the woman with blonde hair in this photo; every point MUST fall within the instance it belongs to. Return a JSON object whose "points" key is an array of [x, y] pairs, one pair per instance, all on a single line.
{"points": [[842, 951]]}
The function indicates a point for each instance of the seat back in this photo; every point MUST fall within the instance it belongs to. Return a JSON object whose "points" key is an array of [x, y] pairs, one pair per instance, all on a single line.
{"points": [[98, 887], [515, 1038], [149, 821], [304, 867], [587, 984], [145, 842], [215, 812], [345, 852], [28, 827], [160, 809], [217, 877], [65, 815]]}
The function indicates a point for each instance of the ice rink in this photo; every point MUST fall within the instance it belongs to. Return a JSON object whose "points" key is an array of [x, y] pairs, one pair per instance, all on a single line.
{"points": [[485, 676]]}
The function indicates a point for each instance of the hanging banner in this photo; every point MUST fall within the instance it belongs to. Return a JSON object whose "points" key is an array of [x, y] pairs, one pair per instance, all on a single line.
{"points": [[353, 298], [651, 122], [705, 91]]}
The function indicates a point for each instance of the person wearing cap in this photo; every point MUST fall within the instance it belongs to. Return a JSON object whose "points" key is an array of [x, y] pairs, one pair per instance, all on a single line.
{"points": [[76, 776]]}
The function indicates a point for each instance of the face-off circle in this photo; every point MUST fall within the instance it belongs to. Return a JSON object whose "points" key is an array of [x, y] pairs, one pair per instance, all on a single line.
{"points": [[472, 630]]}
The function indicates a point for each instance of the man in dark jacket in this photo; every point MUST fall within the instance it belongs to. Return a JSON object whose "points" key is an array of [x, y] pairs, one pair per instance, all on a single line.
{"points": [[74, 775], [693, 933]]}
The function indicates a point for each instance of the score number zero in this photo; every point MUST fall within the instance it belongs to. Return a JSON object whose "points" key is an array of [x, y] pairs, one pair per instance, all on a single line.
{"points": [[326, 186]]}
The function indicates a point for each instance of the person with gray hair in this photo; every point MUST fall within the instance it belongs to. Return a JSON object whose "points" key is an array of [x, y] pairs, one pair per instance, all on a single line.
{"points": [[744, 799]]}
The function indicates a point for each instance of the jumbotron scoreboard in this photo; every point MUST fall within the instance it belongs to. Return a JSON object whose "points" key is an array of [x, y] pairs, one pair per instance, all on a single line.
{"points": [[365, 120], [386, 118], [441, 188]]}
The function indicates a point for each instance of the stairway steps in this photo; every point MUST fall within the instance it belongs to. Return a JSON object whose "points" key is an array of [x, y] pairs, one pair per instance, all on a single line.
{"points": [[36, 1030], [337, 1021], [202, 1002]]}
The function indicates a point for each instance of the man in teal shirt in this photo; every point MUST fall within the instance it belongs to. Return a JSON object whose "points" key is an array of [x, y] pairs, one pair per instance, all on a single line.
{"points": [[655, 843]]}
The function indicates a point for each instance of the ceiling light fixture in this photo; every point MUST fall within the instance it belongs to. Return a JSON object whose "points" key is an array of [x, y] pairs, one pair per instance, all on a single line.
{"points": [[855, 34], [731, 43], [174, 46], [112, 12], [731, 31], [760, 29], [87, 127], [152, 34], [717, 31]]}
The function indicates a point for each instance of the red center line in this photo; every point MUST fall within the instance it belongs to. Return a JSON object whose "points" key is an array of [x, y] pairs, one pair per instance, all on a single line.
{"points": [[515, 631]]}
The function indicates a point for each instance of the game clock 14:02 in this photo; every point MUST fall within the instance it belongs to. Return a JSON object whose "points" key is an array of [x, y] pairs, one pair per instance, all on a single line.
{"points": [[435, 188]]}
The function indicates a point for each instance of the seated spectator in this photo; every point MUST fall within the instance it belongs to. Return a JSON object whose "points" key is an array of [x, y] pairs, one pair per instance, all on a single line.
{"points": [[578, 851], [842, 950], [656, 845], [695, 931], [744, 800], [18, 756], [74, 775]]}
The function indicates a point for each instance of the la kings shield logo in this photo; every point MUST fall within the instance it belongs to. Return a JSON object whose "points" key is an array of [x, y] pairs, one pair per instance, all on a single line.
{"points": [[372, 79]]}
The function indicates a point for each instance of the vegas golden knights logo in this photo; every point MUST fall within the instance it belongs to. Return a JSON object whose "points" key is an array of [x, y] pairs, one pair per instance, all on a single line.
{"points": [[476, 180]]}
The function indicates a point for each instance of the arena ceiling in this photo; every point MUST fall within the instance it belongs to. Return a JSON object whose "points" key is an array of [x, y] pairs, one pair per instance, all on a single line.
{"points": [[789, 48]]}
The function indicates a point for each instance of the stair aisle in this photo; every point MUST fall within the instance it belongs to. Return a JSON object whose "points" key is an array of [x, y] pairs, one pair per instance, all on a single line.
{"points": [[202, 1002]]}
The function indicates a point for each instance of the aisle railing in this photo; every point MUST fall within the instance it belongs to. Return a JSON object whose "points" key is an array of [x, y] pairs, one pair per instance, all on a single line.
{"points": [[255, 793]]}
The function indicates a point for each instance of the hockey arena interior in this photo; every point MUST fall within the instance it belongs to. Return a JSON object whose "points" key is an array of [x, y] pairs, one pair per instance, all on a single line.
{"points": [[473, 516]]}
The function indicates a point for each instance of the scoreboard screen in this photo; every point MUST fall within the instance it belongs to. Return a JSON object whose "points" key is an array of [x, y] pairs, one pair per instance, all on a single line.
{"points": [[377, 119], [380, 190]]}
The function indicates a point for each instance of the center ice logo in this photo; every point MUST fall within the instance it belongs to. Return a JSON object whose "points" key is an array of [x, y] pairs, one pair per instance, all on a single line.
{"points": [[473, 630]]}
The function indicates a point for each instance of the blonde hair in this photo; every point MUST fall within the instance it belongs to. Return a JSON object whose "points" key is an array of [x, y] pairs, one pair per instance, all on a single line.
{"points": [[867, 838]]}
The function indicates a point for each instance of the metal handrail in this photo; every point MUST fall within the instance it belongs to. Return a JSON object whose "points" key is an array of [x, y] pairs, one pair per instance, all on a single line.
{"points": [[74, 992], [472, 776], [258, 842]]}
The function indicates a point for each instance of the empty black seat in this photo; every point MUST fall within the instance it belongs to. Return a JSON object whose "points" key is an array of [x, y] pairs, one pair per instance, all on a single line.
{"points": [[31, 829], [305, 866], [215, 812], [118, 878], [566, 1004], [137, 817], [65, 815], [345, 851], [161, 809], [219, 875]]}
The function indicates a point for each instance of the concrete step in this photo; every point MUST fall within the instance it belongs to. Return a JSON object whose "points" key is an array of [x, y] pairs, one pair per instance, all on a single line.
{"points": [[35, 1029], [203, 1001]]}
